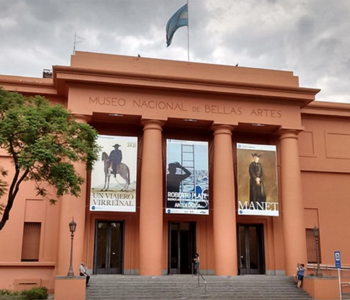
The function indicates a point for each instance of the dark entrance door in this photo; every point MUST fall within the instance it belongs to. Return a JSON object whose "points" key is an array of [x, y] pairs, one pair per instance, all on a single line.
{"points": [[251, 258], [182, 247], [109, 247]]}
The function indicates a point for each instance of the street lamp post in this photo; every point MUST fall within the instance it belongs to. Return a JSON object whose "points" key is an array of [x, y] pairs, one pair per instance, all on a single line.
{"points": [[72, 227], [316, 235]]}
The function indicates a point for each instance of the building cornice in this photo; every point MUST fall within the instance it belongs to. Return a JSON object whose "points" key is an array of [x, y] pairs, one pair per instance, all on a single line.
{"points": [[93, 69], [31, 85], [327, 109], [65, 75]]}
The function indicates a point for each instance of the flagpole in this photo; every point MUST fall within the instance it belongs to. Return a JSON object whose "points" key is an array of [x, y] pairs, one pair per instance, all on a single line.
{"points": [[188, 32]]}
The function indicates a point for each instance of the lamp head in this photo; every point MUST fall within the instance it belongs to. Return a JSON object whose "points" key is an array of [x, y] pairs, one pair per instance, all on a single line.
{"points": [[72, 226]]}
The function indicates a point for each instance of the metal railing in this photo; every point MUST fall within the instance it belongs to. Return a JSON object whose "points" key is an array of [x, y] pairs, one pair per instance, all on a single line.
{"points": [[199, 275], [328, 270], [332, 271]]}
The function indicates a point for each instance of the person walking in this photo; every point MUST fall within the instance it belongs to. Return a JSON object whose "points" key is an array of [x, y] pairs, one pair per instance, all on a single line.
{"points": [[196, 264]]}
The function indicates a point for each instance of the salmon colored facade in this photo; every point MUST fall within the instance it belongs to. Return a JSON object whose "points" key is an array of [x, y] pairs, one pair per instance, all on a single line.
{"points": [[155, 100]]}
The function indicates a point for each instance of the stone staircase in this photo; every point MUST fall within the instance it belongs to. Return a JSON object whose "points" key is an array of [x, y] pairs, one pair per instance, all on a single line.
{"points": [[248, 287]]}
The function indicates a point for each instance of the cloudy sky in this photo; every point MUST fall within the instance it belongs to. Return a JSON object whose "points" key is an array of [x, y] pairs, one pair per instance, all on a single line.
{"points": [[309, 37]]}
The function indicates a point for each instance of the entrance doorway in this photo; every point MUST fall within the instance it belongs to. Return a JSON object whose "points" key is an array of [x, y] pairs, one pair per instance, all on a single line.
{"points": [[182, 247], [251, 257], [109, 245]]}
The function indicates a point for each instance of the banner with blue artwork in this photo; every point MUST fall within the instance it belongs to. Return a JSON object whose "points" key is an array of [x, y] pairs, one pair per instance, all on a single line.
{"points": [[187, 179], [257, 182], [113, 178]]}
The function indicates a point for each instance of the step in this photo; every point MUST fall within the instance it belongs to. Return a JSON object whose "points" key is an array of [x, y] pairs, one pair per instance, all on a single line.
{"points": [[105, 287]]}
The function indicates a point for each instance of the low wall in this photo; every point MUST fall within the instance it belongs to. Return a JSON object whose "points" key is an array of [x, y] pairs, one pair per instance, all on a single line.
{"points": [[25, 275], [70, 288], [325, 288]]}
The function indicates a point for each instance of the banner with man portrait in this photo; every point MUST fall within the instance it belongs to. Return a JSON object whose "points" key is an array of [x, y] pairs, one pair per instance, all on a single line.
{"points": [[113, 179], [187, 179], [257, 180]]}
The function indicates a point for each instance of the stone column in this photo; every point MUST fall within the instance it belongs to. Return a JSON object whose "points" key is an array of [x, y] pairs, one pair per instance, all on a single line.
{"points": [[72, 207], [224, 219], [151, 203], [293, 206]]}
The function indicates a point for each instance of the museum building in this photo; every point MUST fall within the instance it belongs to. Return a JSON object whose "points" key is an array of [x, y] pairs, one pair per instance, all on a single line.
{"points": [[194, 138]]}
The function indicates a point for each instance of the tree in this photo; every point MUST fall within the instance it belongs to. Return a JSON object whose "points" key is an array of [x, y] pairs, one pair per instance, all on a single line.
{"points": [[44, 142]]}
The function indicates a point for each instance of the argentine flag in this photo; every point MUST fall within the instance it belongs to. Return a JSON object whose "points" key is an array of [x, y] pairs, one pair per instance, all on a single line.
{"points": [[179, 19]]}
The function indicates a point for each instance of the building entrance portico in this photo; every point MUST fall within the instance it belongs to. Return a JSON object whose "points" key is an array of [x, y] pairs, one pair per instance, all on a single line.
{"points": [[253, 108]]}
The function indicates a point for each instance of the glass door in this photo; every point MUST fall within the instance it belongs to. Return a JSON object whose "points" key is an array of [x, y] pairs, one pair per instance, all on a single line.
{"points": [[182, 247], [251, 258], [109, 247]]}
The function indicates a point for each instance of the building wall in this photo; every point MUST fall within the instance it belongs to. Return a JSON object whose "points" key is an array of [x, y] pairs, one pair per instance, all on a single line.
{"points": [[174, 93], [28, 207], [325, 166]]}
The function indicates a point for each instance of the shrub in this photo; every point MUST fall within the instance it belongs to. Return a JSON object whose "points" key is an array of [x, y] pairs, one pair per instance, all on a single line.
{"points": [[9, 295], [37, 293], [5, 292]]}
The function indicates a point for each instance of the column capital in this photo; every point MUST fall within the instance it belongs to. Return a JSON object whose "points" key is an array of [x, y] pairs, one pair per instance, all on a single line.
{"points": [[222, 129], [152, 124], [289, 133]]}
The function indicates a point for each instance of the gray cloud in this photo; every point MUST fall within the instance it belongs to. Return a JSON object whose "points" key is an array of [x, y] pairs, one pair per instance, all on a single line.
{"points": [[309, 37]]}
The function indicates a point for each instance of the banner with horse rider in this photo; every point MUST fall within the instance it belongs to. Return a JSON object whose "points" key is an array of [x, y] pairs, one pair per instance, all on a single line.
{"points": [[187, 179], [113, 179], [257, 180]]}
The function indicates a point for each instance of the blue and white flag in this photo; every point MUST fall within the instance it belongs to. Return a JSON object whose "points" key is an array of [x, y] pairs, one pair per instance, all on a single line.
{"points": [[179, 19]]}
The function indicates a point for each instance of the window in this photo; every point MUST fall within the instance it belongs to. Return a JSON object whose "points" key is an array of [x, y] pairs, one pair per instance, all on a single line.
{"points": [[31, 241], [311, 247]]}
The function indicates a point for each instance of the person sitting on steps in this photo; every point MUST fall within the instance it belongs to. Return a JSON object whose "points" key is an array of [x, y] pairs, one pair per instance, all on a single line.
{"points": [[83, 272]]}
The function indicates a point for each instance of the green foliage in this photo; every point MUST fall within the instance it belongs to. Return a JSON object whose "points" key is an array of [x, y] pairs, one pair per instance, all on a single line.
{"points": [[9, 295], [5, 292], [36, 293], [44, 142]]}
